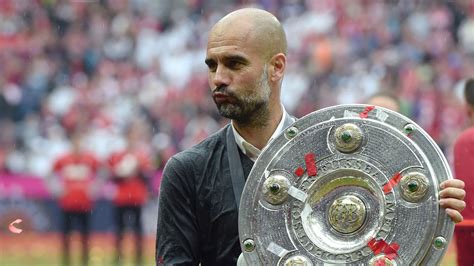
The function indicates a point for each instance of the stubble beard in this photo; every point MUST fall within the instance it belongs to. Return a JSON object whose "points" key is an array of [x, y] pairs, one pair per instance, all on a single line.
{"points": [[251, 109]]}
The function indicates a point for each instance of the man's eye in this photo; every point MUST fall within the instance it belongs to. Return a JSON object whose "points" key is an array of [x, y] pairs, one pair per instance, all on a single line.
{"points": [[234, 64], [212, 67]]}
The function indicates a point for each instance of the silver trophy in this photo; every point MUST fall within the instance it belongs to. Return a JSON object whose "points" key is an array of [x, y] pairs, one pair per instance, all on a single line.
{"points": [[349, 184]]}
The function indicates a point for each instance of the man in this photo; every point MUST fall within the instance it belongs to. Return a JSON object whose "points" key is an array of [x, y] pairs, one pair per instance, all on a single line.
{"points": [[200, 189], [386, 99], [463, 162], [130, 169], [77, 173]]}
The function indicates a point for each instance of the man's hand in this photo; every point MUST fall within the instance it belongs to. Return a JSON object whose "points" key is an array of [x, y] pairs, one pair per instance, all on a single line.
{"points": [[452, 198]]}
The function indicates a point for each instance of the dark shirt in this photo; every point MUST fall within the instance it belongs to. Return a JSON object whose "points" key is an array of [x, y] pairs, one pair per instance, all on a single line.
{"points": [[198, 212]]}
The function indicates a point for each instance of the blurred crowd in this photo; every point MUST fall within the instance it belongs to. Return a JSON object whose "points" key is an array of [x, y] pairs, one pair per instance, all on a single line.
{"points": [[107, 65]]}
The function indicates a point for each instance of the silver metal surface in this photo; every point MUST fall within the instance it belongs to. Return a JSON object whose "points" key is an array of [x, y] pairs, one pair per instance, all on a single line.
{"points": [[382, 260], [348, 137], [347, 214], [307, 201], [414, 186], [275, 188], [298, 260]]}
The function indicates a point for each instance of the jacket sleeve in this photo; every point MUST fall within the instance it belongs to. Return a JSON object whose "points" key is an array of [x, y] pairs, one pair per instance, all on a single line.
{"points": [[177, 231]]}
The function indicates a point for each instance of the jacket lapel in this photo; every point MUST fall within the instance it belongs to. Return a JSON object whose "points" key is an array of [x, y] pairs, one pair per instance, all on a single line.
{"points": [[235, 166]]}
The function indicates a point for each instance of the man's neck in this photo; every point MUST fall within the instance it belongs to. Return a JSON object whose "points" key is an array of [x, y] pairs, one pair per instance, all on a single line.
{"points": [[259, 136]]}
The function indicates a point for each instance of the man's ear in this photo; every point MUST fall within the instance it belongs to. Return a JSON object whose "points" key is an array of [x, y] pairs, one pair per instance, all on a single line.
{"points": [[470, 111], [277, 67]]}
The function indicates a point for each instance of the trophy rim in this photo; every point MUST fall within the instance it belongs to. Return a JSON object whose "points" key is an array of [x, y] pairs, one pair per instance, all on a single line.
{"points": [[429, 252]]}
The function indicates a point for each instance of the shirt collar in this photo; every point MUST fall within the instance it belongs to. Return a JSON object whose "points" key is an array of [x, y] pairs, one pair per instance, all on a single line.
{"points": [[248, 149]]}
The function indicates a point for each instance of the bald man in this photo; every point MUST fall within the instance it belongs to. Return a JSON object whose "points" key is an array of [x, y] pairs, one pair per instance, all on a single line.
{"points": [[201, 187]]}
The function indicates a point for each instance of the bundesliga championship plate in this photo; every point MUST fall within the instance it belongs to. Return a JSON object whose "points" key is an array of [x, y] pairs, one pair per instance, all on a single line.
{"points": [[349, 184]]}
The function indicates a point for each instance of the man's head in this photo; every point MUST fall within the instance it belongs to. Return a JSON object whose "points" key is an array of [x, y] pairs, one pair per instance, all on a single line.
{"points": [[246, 60], [469, 97], [385, 99]]}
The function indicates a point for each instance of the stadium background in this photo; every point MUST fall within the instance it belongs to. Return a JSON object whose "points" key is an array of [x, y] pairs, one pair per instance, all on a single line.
{"points": [[112, 64]]}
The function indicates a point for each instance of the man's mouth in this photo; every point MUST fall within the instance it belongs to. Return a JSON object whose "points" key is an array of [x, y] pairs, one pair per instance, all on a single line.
{"points": [[220, 97]]}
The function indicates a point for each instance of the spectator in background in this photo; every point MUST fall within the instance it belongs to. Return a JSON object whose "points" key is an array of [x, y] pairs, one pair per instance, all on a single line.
{"points": [[386, 99], [131, 170], [463, 167], [76, 173]]}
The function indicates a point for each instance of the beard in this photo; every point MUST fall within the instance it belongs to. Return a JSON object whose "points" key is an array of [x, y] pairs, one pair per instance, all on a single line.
{"points": [[250, 108]]}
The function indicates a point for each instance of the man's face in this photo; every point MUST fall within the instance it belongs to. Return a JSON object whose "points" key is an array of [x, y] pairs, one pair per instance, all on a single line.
{"points": [[237, 77]]}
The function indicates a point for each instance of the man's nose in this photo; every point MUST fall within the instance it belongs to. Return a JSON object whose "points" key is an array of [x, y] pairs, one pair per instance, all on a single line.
{"points": [[221, 77]]}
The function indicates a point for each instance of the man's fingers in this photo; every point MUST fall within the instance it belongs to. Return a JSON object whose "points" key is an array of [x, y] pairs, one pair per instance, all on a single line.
{"points": [[452, 192], [457, 183], [454, 215], [451, 203]]}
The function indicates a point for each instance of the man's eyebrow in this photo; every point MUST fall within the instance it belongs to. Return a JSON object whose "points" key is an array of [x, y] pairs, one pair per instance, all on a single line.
{"points": [[227, 58], [236, 58]]}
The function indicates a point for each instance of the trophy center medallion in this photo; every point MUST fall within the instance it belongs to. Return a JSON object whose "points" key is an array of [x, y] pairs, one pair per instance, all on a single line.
{"points": [[347, 214]]}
